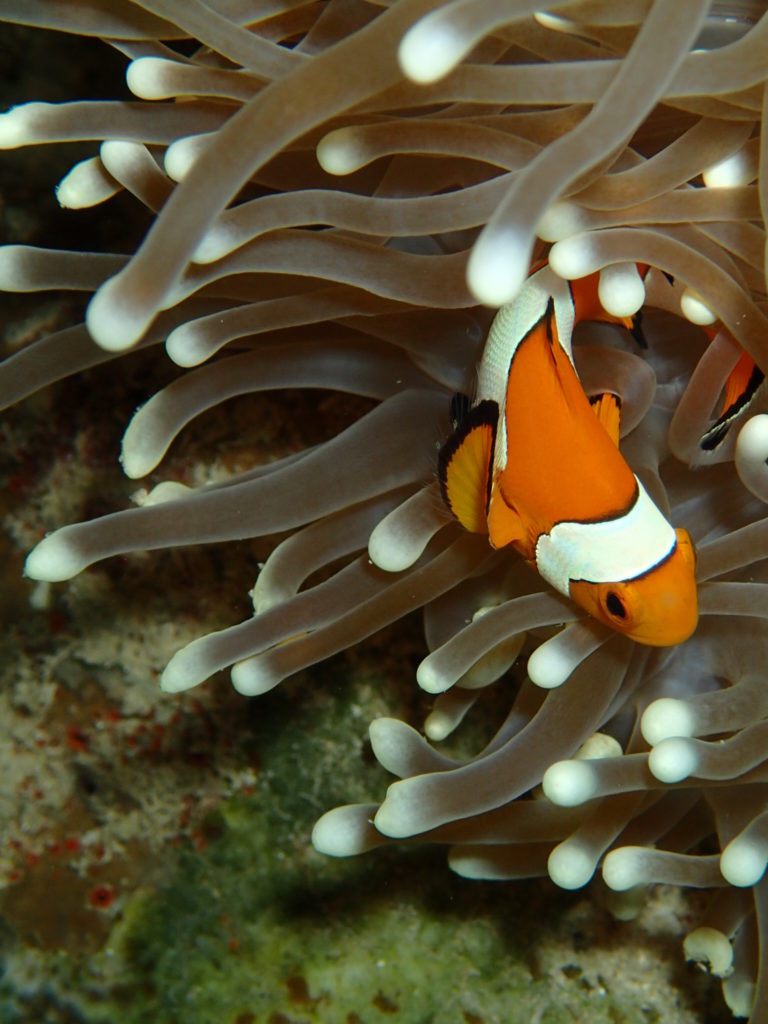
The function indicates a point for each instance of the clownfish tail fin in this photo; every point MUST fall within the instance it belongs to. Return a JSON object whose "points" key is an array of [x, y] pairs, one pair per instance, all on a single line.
{"points": [[607, 408], [740, 388], [464, 463]]}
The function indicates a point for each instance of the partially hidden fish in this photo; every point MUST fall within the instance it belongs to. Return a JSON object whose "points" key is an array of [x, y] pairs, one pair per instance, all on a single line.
{"points": [[536, 465], [740, 389]]}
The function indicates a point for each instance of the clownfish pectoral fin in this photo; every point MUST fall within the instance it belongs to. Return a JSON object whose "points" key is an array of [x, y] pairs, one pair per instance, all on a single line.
{"points": [[740, 388], [464, 463], [607, 408], [504, 524]]}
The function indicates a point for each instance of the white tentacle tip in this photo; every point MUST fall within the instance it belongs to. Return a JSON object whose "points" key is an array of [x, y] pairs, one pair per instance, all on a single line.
{"points": [[116, 154], [184, 670], [430, 50], [673, 760], [250, 678], [737, 169], [148, 78], [750, 455], [739, 993], [344, 831], [114, 322], [429, 679], [401, 813], [166, 490], [752, 443], [138, 453], [216, 243], [555, 22], [497, 268], [709, 946], [339, 152], [624, 869], [562, 220], [135, 462], [328, 839], [86, 184], [743, 862], [386, 821], [54, 559], [573, 257], [621, 290], [599, 746], [548, 667], [570, 865], [185, 345], [666, 718], [438, 725], [695, 309], [181, 155], [391, 552], [569, 783]]}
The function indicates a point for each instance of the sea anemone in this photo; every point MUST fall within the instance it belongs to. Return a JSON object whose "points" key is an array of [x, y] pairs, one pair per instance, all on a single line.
{"points": [[341, 190]]}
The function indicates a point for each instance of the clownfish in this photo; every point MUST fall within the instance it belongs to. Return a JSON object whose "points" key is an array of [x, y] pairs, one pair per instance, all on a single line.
{"points": [[740, 388], [535, 464]]}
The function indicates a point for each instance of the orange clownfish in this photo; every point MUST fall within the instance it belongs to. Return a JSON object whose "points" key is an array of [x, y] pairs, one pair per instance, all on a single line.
{"points": [[741, 387], [533, 463]]}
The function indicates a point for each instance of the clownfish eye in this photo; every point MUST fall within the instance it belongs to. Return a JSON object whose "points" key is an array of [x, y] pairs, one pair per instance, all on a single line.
{"points": [[615, 605]]}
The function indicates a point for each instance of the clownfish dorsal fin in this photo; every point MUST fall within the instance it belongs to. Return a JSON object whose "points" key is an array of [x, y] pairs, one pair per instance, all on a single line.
{"points": [[464, 463], [607, 407]]}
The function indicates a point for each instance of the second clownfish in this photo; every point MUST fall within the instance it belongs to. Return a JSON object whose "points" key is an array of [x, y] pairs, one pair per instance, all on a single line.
{"points": [[536, 465]]}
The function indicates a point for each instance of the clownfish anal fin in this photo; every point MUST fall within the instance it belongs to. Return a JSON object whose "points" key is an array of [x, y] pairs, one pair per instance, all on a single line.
{"points": [[740, 388], [607, 407], [464, 463]]}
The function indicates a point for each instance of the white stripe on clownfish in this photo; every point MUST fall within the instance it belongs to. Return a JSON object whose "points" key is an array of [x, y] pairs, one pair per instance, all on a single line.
{"points": [[622, 548], [511, 326]]}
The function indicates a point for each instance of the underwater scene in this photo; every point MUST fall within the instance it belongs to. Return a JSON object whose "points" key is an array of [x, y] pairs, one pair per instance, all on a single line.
{"points": [[384, 472]]}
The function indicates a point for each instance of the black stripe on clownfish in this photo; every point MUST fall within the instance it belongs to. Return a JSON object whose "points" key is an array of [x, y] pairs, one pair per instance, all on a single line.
{"points": [[464, 462], [741, 387], [460, 407]]}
